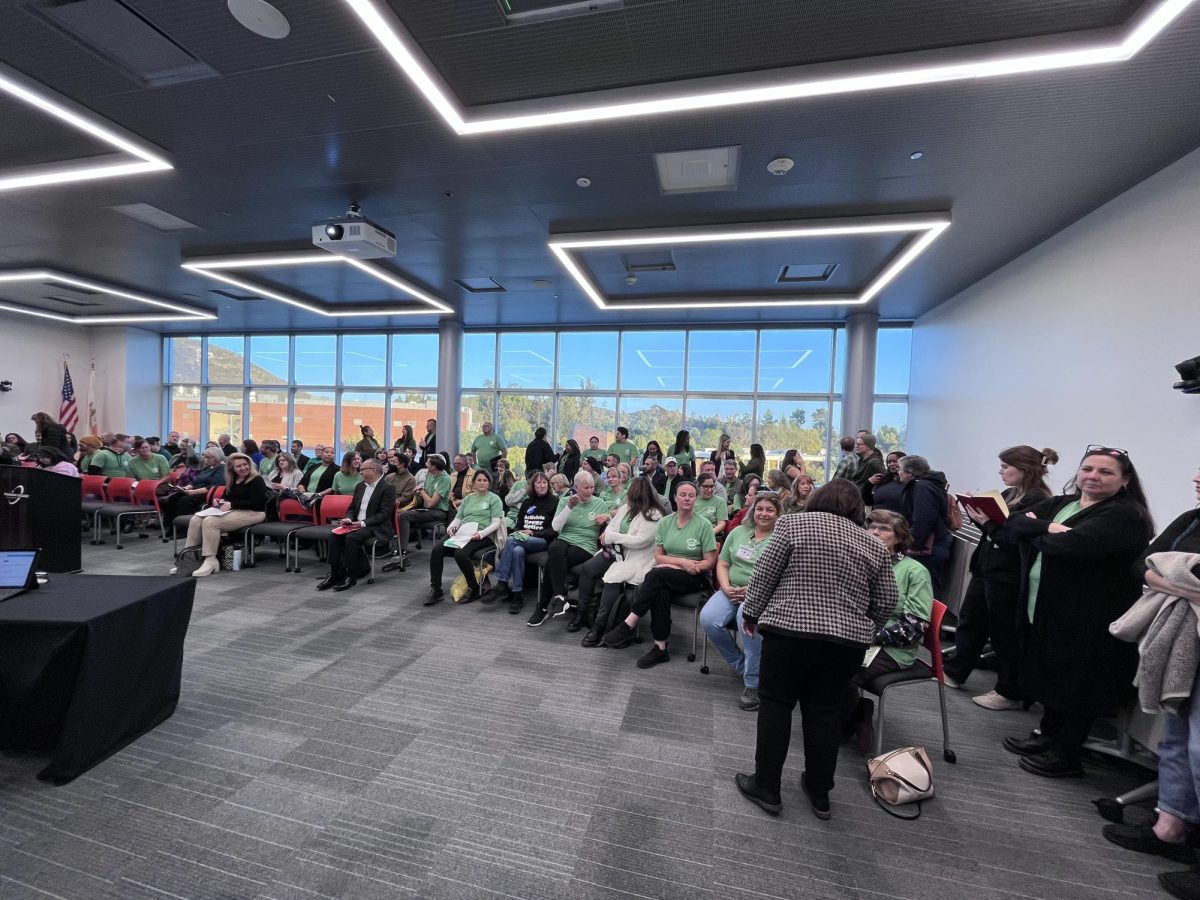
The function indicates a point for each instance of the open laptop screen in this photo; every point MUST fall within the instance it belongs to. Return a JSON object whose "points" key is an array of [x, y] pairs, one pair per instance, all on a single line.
{"points": [[16, 568]]}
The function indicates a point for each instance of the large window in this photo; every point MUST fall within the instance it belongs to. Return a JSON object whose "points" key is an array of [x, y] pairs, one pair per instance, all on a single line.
{"points": [[893, 359], [320, 388]]}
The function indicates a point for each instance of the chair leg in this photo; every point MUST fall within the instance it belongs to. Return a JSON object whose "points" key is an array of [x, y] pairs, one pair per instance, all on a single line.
{"points": [[704, 657], [118, 520], [695, 631], [374, 547], [247, 550], [162, 528], [879, 726], [947, 754]]}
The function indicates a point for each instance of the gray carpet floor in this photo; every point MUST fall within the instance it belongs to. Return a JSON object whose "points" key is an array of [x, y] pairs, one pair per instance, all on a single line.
{"points": [[359, 745]]}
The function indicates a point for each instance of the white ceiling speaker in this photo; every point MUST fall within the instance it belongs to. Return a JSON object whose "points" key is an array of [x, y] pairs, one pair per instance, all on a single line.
{"points": [[780, 166], [260, 17]]}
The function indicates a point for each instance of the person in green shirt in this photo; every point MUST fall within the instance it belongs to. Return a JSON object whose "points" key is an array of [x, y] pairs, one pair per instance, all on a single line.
{"points": [[266, 465], [318, 452], [615, 488], [347, 478], [146, 465], [488, 447], [113, 460], [685, 552], [683, 452], [578, 520], [900, 636], [482, 509], [735, 565], [594, 450], [432, 506], [623, 448], [711, 507]]}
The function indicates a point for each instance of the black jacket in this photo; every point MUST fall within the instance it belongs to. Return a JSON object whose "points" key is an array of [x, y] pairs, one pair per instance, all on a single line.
{"points": [[536, 513], [302, 460], [1182, 535], [250, 495], [54, 435], [1071, 661], [924, 504], [888, 494], [570, 465], [998, 558], [537, 454], [379, 509], [872, 464]]}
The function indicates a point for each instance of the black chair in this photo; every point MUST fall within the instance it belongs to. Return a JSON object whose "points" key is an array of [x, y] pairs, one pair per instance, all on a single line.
{"points": [[331, 508], [292, 517]]}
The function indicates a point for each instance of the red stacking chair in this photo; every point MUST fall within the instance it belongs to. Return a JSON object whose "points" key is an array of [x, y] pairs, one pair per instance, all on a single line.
{"points": [[921, 672]]}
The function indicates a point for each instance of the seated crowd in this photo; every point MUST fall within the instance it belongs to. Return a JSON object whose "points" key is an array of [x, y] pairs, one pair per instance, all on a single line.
{"points": [[791, 602]]}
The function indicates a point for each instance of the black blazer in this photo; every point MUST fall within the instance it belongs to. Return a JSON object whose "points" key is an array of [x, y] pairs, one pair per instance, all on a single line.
{"points": [[302, 460], [379, 510]]}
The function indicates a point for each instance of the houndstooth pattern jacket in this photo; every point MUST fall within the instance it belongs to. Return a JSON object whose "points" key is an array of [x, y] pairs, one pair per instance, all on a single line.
{"points": [[822, 576]]}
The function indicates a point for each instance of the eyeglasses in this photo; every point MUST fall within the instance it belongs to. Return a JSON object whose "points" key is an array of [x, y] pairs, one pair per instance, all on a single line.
{"points": [[1106, 451], [879, 526]]}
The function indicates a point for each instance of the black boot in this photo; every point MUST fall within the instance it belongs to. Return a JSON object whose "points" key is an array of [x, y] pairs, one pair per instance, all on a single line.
{"points": [[584, 615], [592, 638]]}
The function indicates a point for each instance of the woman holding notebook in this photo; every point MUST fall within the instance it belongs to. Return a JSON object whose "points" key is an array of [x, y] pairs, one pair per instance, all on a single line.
{"points": [[990, 609]]}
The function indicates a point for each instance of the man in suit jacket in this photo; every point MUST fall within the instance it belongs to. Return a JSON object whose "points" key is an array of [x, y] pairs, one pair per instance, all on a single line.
{"points": [[302, 459], [372, 507]]}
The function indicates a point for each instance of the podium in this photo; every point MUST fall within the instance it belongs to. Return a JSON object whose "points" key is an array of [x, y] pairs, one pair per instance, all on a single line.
{"points": [[41, 509]]}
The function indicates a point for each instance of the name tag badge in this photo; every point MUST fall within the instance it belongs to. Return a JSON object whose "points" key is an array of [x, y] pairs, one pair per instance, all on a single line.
{"points": [[746, 552]]}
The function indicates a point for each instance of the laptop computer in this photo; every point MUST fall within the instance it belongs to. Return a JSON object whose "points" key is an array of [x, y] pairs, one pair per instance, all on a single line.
{"points": [[17, 569]]}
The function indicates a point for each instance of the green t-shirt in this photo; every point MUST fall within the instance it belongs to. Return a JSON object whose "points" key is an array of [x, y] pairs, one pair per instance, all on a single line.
{"points": [[480, 509], [740, 552], [441, 485], [612, 498], [690, 542], [111, 465], [625, 451], [581, 529], [266, 466], [685, 458], [598, 453], [714, 509], [312, 464], [150, 469], [487, 447], [343, 483], [916, 597], [1035, 571]]}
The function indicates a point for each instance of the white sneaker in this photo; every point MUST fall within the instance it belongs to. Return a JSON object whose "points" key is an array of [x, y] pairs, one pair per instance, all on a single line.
{"points": [[174, 570], [992, 700], [206, 568], [951, 683]]}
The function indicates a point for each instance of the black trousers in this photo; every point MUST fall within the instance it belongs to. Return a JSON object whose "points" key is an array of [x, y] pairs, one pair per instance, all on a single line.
{"points": [[990, 609], [589, 577], [348, 552], [815, 674], [465, 557], [654, 597], [419, 517], [610, 597], [853, 708], [563, 557], [1067, 730]]}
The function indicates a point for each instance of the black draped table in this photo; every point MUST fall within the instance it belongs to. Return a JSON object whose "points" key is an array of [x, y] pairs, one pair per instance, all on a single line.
{"points": [[89, 663]]}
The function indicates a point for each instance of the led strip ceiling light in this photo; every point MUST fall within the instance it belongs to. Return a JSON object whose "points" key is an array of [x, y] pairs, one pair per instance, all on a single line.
{"points": [[924, 228], [219, 267], [991, 60], [183, 313], [146, 158]]}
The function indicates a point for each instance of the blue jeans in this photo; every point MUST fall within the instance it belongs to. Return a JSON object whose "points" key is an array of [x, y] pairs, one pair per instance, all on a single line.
{"points": [[718, 614], [511, 565], [1179, 761]]}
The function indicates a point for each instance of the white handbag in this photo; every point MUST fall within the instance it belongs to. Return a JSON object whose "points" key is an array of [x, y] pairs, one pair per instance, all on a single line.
{"points": [[901, 777]]}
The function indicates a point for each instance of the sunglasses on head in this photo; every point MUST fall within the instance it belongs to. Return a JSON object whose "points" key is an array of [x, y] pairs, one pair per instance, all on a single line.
{"points": [[1105, 451]]}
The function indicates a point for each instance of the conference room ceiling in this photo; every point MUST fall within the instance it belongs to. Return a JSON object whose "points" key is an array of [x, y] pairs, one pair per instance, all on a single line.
{"points": [[273, 136]]}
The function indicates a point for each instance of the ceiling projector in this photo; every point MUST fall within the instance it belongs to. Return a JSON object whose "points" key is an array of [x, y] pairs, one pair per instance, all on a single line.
{"points": [[353, 236]]}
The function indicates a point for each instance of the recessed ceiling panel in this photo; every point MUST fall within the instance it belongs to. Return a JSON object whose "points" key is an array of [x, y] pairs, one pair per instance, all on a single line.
{"points": [[74, 299]]}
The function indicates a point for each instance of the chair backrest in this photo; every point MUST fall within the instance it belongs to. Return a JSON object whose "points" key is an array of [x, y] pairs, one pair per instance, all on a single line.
{"points": [[119, 490], [143, 494], [93, 486], [334, 507], [215, 494], [933, 639], [293, 511]]}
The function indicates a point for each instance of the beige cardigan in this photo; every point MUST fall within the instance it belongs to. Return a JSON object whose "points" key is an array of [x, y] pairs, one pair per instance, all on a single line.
{"points": [[638, 542]]}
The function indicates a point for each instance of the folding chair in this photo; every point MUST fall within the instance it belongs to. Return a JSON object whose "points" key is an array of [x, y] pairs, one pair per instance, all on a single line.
{"points": [[919, 673], [119, 492], [93, 498], [332, 507], [292, 517]]}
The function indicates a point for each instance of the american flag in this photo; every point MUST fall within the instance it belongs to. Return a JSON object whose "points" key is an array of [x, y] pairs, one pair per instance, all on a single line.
{"points": [[68, 413]]}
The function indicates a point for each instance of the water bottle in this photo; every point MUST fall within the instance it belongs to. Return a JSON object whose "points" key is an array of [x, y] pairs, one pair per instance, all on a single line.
{"points": [[237, 560]]}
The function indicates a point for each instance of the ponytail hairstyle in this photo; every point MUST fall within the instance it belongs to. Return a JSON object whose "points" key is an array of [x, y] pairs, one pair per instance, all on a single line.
{"points": [[1033, 464]]}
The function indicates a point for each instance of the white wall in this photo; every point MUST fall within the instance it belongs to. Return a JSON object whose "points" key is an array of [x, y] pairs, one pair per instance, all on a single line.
{"points": [[128, 374], [1074, 343]]}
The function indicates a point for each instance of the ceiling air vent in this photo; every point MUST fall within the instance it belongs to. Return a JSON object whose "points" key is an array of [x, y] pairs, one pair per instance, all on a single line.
{"points": [[522, 12], [481, 285], [697, 171], [236, 295], [649, 261], [154, 217], [79, 303], [123, 38], [68, 287], [806, 273]]}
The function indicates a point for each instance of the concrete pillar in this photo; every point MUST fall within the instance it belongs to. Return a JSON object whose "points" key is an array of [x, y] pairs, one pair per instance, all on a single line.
{"points": [[858, 399], [449, 389]]}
